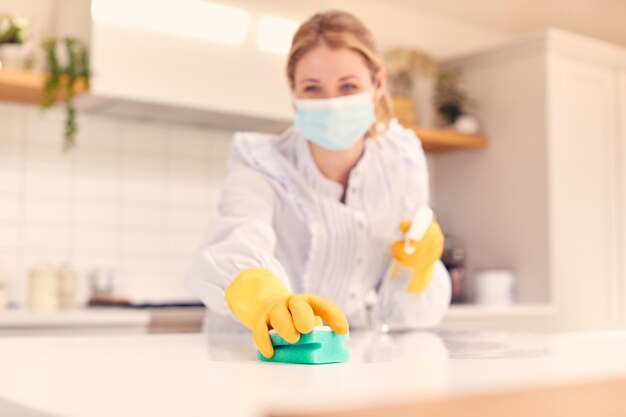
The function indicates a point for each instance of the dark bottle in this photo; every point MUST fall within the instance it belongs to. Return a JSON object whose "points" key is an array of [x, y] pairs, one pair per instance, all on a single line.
{"points": [[454, 260]]}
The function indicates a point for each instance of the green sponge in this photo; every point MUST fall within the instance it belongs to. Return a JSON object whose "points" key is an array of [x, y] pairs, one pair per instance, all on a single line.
{"points": [[320, 346]]}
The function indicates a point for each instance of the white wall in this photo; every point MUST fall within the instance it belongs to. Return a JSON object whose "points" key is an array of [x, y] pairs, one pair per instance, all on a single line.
{"points": [[135, 196], [495, 200]]}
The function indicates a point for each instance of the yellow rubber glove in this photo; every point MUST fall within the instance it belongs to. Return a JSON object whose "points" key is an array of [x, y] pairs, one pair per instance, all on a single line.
{"points": [[260, 301], [427, 251]]}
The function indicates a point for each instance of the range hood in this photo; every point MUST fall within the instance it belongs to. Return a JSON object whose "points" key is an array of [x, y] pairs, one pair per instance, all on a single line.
{"points": [[189, 61]]}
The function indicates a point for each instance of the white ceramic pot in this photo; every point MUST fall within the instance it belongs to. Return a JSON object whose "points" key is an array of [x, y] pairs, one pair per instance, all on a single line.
{"points": [[467, 124], [424, 97], [15, 56]]}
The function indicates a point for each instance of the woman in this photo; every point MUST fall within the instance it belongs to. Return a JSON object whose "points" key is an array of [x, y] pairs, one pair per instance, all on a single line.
{"points": [[308, 215]]}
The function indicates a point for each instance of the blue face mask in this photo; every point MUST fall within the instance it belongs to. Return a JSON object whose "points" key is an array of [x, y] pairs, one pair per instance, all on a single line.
{"points": [[335, 123]]}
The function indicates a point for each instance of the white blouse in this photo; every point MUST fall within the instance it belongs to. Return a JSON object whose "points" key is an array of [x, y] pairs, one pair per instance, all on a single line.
{"points": [[280, 212]]}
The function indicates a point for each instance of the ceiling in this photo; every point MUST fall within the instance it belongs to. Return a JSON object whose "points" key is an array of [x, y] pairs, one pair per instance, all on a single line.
{"points": [[601, 19]]}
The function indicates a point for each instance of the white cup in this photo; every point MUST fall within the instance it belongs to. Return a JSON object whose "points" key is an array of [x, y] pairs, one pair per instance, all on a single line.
{"points": [[43, 289], [495, 287]]}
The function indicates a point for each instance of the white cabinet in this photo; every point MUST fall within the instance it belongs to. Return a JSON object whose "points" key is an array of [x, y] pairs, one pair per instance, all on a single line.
{"points": [[547, 198], [583, 164], [195, 62], [621, 195]]}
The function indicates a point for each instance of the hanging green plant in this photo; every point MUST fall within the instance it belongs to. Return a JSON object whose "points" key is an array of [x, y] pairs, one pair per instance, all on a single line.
{"points": [[68, 63]]}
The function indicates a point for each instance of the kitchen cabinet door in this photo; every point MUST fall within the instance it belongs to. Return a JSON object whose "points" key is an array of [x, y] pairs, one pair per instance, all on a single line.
{"points": [[621, 282], [583, 179]]}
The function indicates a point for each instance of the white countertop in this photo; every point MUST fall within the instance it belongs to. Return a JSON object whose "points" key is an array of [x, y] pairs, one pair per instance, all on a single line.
{"points": [[200, 375], [80, 321], [79, 317], [124, 320], [487, 312]]}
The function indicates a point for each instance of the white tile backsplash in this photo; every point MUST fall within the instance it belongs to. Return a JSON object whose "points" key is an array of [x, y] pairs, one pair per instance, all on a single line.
{"points": [[45, 238], [9, 208], [48, 173], [180, 244], [134, 196], [43, 130], [142, 138], [186, 219], [103, 241], [89, 214], [104, 163], [98, 189], [10, 175], [190, 194], [55, 212], [9, 261], [9, 236], [99, 134], [190, 143], [143, 217], [143, 243], [189, 170], [12, 125]]}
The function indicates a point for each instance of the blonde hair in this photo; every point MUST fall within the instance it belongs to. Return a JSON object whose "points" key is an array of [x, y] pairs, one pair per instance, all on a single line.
{"points": [[340, 29]]}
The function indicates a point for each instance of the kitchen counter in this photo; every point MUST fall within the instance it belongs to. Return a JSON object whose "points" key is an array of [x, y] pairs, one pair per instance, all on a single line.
{"points": [[101, 321], [75, 321], [218, 374], [114, 321]]}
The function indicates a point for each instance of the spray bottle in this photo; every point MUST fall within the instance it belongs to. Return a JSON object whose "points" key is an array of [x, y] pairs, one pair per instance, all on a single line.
{"points": [[397, 277]]}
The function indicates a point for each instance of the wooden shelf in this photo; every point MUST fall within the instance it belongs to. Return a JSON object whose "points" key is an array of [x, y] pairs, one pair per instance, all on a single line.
{"points": [[439, 140], [27, 86], [434, 139]]}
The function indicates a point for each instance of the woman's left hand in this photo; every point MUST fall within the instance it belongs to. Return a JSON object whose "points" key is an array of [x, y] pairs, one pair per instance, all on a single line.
{"points": [[428, 250]]}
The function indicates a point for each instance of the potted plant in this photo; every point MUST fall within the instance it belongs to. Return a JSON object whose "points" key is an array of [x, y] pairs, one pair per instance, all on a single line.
{"points": [[452, 103], [68, 65], [15, 52], [412, 78]]}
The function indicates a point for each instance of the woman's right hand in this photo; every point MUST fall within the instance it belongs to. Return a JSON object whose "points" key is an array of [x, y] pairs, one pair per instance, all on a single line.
{"points": [[292, 316], [259, 300]]}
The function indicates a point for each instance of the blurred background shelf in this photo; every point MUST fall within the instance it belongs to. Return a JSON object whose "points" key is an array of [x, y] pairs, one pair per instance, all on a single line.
{"points": [[27, 87], [70, 322], [439, 140], [434, 139], [518, 317]]}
